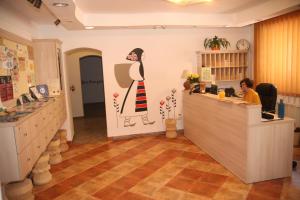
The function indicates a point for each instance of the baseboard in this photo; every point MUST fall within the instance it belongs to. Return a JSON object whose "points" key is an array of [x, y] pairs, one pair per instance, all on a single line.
{"points": [[126, 137]]}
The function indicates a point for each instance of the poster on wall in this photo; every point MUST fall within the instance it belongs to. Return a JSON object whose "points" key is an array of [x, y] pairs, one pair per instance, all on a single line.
{"points": [[8, 58], [16, 64], [6, 88], [134, 104]]}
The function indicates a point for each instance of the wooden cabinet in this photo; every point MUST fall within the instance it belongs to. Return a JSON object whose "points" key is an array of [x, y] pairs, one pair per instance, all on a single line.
{"points": [[22, 142], [225, 65], [47, 57]]}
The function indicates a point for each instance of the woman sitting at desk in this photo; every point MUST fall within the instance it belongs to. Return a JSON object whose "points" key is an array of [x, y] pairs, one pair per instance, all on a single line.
{"points": [[249, 94]]}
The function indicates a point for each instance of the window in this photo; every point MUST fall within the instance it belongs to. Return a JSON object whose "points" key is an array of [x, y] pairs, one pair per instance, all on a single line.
{"points": [[277, 53]]}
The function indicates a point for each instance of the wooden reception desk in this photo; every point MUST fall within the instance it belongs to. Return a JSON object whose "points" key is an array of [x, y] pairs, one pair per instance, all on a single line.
{"points": [[235, 136]]}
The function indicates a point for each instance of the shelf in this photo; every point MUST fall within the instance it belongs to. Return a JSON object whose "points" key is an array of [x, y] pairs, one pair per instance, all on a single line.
{"points": [[225, 65], [228, 67], [221, 51]]}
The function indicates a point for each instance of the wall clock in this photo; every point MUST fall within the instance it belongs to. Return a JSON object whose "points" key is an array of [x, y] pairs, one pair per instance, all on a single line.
{"points": [[242, 44]]}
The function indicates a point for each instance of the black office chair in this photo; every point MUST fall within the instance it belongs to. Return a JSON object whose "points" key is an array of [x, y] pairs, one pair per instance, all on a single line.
{"points": [[268, 95]]}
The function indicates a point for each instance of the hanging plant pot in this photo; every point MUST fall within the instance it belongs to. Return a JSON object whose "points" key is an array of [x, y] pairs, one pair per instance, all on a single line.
{"points": [[215, 48]]}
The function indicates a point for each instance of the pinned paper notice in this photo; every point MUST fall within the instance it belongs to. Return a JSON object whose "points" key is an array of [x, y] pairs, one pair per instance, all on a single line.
{"points": [[206, 74]]}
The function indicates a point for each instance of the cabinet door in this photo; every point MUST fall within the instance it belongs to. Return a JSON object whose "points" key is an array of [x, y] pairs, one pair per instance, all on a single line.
{"points": [[47, 60]]}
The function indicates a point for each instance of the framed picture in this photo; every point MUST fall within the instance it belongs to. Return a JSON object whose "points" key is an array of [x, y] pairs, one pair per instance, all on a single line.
{"points": [[34, 92], [43, 90]]}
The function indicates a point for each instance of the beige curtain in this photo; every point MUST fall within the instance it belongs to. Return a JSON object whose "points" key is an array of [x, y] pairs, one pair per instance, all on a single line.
{"points": [[277, 53]]}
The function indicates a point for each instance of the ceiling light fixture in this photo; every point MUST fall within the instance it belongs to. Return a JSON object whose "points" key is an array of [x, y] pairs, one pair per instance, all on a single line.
{"points": [[188, 2], [89, 27], [56, 4]]}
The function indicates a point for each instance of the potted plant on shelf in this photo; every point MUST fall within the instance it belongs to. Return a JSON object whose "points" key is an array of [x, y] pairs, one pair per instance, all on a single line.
{"points": [[215, 43]]}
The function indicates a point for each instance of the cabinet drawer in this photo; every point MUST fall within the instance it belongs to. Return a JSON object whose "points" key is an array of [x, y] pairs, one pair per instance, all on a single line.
{"points": [[36, 148], [44, 116], [22, 135], [25, 163], [36, 125]]}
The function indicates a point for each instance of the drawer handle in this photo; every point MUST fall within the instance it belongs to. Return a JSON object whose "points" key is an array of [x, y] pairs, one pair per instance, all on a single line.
{"points": [[44, 118], [36, 125], [39, 146], [25, 134], [28, 159]]}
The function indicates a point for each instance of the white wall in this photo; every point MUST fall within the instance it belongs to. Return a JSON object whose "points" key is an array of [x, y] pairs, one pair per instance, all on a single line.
{"points": [[167, 54]]}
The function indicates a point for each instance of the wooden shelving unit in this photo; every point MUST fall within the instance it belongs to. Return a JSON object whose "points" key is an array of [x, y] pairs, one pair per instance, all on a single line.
{"points": [[225, 65]]}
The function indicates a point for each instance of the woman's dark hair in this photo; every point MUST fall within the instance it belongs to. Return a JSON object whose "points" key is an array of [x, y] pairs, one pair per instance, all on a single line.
{"points": [[136, 55], [248, 82]]}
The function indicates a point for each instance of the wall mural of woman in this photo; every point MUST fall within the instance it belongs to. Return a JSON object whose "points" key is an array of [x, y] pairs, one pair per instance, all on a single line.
{"points": [[135, 101]]}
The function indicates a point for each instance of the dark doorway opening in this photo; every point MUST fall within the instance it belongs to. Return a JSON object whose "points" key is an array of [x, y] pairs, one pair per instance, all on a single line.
{"points": [[92, 127]]}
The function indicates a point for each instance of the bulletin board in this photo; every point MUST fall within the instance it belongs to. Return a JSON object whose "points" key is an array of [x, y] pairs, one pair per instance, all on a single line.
{"points": [[17, 65]]}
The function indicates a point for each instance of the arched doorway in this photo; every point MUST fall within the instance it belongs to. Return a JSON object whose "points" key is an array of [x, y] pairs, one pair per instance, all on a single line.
{"points": [[86, 89]]}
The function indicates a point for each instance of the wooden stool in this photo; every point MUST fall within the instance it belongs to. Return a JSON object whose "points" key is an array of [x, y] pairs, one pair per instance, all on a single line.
{"points": [[62, 133], [171, 128], [54, 151], [19, 190], [41, 174]]}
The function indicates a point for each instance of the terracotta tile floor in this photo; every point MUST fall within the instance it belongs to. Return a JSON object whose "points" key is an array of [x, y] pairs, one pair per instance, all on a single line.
{"points": [[153, 167]]}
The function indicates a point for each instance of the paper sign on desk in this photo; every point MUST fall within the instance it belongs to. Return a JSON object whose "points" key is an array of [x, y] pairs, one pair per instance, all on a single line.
{"points": [[206, 74]]}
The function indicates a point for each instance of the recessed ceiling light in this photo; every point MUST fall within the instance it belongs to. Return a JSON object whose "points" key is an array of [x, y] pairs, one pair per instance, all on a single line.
{"points": [[60, 4], [89, 27]]}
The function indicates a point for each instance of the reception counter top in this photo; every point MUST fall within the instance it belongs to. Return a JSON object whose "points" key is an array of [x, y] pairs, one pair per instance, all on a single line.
{"points": [[233, 133]]}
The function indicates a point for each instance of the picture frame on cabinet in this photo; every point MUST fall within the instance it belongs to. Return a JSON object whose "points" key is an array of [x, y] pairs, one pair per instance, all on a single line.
{"points": [[43, 90], [34, 93]]}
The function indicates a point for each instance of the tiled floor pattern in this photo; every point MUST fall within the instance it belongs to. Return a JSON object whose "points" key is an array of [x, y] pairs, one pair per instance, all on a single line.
{"points": [[153, 167], [92, 127]]}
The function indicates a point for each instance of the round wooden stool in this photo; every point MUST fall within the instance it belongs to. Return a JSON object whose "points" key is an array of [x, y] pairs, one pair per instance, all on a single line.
{"points": [[54, 151], [41, 174], [19, 190], [62, 133]]}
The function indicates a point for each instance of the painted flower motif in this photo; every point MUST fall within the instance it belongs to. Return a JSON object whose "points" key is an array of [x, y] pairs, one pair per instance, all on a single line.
{"points": [[174, 90], [115, 95], [168, 98], [162, 102]]}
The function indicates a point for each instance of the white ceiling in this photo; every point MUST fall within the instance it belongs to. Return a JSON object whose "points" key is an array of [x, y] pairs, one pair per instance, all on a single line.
{"points": [[111, 14], [155, 6], [27, 11]]}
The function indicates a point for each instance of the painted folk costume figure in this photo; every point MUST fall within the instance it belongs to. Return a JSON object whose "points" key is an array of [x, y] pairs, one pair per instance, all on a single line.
{"points": [[135, 101]]}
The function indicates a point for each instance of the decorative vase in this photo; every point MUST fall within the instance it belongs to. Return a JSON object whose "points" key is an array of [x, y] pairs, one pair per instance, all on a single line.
{"points": [[171, 128], [187, 85]]}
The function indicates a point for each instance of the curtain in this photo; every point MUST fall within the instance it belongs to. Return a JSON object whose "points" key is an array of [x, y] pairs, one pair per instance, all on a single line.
{"points": [[277, 53]]}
